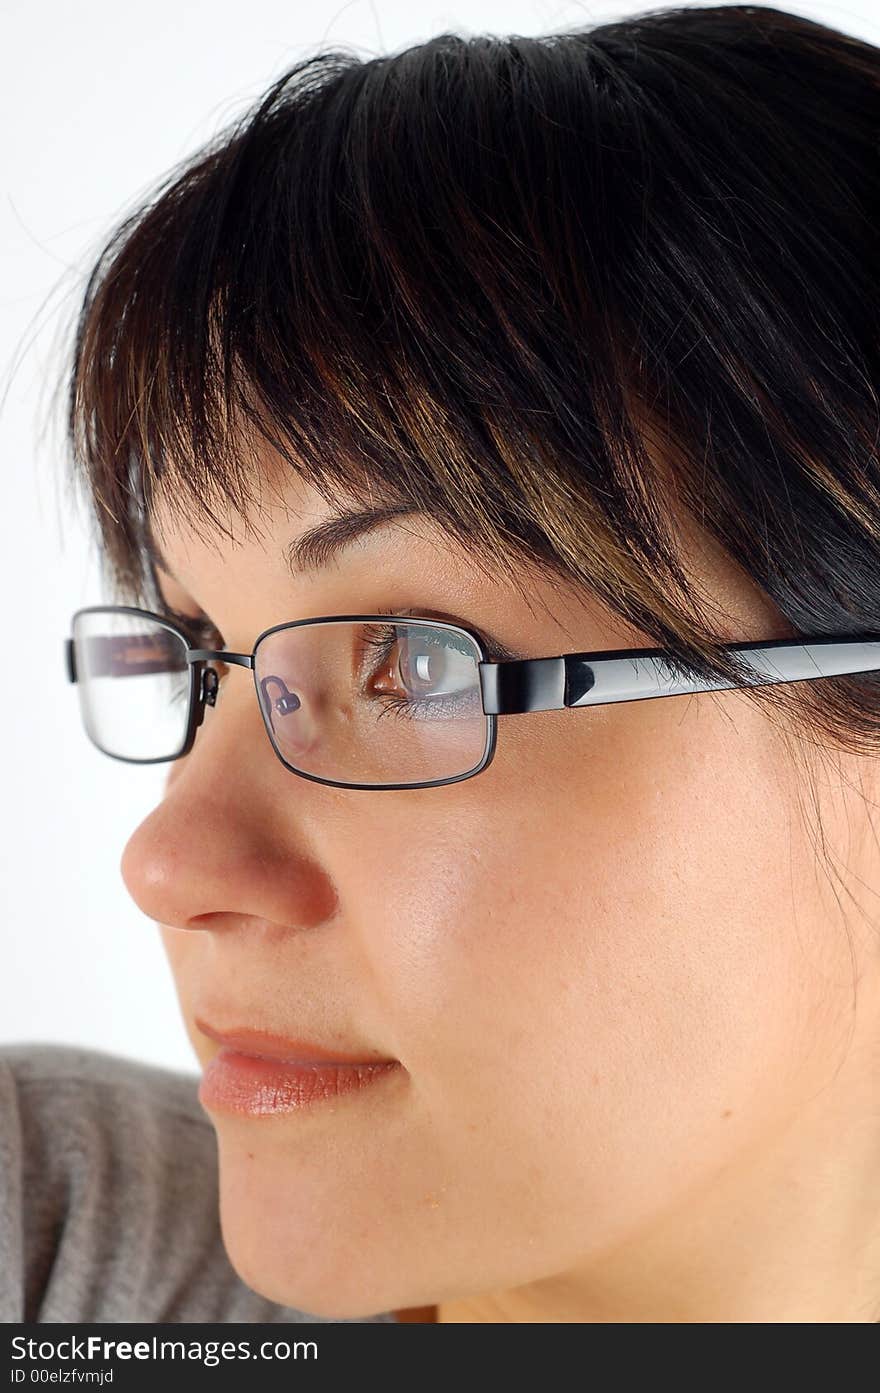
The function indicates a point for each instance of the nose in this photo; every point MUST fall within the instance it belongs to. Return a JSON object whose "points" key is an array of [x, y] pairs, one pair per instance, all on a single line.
{"points": [[236, 836]]}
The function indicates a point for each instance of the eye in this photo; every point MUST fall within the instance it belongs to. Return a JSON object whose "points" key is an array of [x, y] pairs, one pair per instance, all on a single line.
{"points": [[198, 625], [198, 629]]}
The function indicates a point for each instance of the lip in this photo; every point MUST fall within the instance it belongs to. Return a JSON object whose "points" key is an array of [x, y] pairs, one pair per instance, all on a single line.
{"points": [[254, 1086], [262, 1044]]}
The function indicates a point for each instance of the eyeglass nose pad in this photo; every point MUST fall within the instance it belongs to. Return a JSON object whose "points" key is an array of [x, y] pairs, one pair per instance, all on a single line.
{"points": [[210, 683], [280, 705]]}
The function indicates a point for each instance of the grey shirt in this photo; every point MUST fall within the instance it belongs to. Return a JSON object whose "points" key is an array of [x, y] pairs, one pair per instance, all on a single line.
{"points": [[109, 1207]]}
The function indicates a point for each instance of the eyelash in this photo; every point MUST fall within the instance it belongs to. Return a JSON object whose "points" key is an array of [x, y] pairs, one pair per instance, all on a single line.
{"points": [[202, 628], [495, 652]]}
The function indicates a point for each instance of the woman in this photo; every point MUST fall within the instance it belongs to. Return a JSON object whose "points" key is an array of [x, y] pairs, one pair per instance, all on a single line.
{"points": [[583, 328]]}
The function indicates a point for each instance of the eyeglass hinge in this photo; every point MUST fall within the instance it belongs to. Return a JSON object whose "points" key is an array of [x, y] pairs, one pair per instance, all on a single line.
{"points": [[529, 684]]}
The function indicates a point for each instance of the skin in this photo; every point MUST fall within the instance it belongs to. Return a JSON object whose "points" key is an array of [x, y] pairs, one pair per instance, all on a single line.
{"points": [[636, 1085]]}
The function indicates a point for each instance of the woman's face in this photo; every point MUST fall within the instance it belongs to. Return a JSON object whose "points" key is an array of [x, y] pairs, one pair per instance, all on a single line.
{"points": [[607, 964]]}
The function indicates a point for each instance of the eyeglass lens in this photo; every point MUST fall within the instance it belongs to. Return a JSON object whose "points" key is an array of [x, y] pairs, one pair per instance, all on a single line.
{"points": [[379, 701]]}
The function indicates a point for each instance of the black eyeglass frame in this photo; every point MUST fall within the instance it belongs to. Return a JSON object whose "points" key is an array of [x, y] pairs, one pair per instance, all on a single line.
{"points": [[518, 686]]}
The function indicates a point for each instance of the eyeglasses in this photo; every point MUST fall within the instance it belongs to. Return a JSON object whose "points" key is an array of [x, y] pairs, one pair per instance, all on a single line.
{"points": [[326, 688]]}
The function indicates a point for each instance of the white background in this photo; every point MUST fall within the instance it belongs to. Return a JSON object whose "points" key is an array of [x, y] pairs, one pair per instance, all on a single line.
{"points": [[97, 100]]}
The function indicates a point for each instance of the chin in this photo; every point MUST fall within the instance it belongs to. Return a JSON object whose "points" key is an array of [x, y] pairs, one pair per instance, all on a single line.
{"points": [[305, 1238], [337, 1282]]}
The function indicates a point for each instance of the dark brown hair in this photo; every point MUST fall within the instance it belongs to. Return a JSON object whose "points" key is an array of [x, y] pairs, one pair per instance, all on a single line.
{"points": [[482, 276]]}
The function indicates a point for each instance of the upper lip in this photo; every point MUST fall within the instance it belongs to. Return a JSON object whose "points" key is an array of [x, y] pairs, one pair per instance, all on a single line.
{"points": [[265, 1045]]}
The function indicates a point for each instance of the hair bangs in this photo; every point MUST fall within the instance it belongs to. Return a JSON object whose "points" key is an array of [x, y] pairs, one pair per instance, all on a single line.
{"points": [[483, 278]]}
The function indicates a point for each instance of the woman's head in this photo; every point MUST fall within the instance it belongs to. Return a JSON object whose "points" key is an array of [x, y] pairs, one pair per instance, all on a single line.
{"points": [[597, 310]]}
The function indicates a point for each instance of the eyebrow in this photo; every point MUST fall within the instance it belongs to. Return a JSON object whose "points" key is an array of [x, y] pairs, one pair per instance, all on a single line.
{"points": [[318, 545], [315, 547]]}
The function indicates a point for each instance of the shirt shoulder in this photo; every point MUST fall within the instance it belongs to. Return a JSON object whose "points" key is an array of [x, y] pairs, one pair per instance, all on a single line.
{"points": [[109, 1205]]}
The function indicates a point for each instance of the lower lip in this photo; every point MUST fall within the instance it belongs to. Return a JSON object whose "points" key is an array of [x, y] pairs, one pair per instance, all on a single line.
{"points": [[256, 1087]]}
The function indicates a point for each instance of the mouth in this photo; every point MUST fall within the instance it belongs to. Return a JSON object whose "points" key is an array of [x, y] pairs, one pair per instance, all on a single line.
{"points": [[259, 1074]]}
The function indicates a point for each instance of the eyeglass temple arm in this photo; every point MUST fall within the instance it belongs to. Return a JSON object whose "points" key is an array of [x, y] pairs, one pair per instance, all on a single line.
{"points": [[547, 684], [593, 679]]}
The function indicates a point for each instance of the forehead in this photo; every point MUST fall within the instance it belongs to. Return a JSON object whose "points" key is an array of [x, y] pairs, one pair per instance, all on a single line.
{"points": [[271, 497]]}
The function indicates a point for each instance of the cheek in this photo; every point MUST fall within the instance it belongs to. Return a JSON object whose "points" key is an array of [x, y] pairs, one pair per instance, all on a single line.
{"points": [[601, 953]]}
